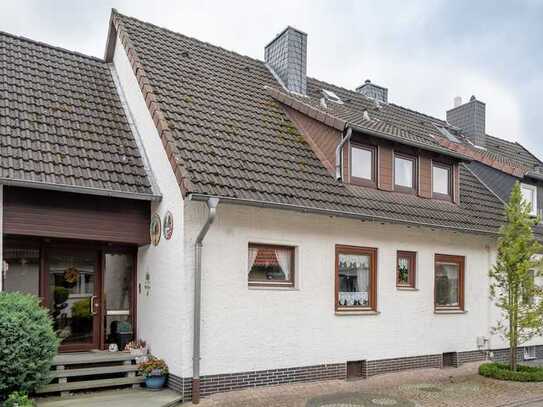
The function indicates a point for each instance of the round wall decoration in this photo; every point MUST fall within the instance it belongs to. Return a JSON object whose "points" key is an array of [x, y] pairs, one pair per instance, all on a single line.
{"points": [[167, 226], [155, 229], [71, 275]]}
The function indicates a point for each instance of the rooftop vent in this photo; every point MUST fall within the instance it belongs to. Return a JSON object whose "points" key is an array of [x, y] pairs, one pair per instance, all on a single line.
{"points": [[331, 96], [373, 91], [286, 56], [470, 117]]}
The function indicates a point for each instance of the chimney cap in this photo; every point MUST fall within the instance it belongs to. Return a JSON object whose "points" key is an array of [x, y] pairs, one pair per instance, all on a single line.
{"points": [[367, 81], [472, 98]]}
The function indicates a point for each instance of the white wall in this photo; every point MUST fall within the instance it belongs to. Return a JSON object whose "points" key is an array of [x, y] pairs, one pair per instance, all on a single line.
{"points": [[251, 329], [160, 313]]}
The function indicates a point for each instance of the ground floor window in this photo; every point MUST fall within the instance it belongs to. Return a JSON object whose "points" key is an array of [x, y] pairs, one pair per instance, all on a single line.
{"points": [[356, 278], [21, 269], [270, 265], [405, 269], [449, 282]]}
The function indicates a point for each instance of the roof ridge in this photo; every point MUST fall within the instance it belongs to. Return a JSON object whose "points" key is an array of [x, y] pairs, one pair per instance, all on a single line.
{"points": [[55, 47], [529, 152], [205, 43]]}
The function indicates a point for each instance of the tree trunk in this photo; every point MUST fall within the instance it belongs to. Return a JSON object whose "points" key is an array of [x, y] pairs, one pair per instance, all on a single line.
{"points": [[514, 357]]}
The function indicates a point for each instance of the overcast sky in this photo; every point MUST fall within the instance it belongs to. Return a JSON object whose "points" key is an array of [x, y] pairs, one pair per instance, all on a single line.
{"points": [[424, 52]]}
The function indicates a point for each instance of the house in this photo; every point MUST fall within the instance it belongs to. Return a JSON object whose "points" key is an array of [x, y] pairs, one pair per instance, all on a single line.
{"points": [[254, 225]]}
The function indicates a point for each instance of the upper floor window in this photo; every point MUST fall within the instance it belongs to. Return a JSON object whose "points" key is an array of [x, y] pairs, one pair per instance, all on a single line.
{"points": [[529, 193], [404, 173], [271, 265], [363, 164], [441, 181]]}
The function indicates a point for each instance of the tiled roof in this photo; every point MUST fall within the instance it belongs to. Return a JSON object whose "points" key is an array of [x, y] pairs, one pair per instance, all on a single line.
{"points": [[235, 141], [62, 124]]}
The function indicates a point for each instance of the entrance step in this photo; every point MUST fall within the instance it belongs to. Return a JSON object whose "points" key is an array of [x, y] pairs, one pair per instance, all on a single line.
{"points": [[91, 370]]}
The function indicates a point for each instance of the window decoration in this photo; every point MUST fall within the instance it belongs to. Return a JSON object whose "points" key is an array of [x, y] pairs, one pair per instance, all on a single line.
{"points": [[441, 181], [362, 164], [406, 269], [155, 229], [529, 194], [270, 265], [449, 282], [404, 173], [355, 278]]}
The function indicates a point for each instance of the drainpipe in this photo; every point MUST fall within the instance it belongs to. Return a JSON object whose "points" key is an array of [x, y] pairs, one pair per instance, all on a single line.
{"points": [[212, 204], [338, 152]]}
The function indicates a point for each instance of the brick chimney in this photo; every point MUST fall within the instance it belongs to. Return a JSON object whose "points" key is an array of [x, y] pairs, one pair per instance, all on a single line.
{"points": [[286, 56], [373, 91], [470, 117]]}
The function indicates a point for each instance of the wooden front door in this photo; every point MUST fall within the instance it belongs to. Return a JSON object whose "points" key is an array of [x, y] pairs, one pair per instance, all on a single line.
{"points": [[73, 281]]}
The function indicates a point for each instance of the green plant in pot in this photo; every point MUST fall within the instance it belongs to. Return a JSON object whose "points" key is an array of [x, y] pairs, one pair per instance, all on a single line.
{"points": [[81, 316], [155, 372]]}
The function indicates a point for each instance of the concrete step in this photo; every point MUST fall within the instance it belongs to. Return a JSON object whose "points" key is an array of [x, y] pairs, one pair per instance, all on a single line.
{"points": [[90, 371], [81, 358], [89, 384]]}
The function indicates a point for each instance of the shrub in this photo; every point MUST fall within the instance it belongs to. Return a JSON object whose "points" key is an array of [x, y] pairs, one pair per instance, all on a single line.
{"points": [[27, 343], [503, 372], [18, 399]]}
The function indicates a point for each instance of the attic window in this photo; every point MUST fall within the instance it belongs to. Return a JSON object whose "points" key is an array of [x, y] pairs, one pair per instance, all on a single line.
{"points": [[331, 96], [446, 133]]}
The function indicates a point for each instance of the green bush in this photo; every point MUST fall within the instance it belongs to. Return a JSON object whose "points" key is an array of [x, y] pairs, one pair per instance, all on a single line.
{"points": [[27, 343], [504, 372], [18, 399]]}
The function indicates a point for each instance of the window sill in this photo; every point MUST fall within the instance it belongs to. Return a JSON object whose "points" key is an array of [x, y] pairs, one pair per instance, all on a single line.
{"points": [[400, 288], [272, 288], [356, 312], [449, 311]]}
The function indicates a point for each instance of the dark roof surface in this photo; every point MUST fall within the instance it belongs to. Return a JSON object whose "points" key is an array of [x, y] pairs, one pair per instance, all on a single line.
{"points": [[62, 123], [236, 141]]}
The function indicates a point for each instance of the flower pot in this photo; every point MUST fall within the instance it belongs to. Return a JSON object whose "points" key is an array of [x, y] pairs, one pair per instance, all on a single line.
{"points": [[155, 382]]}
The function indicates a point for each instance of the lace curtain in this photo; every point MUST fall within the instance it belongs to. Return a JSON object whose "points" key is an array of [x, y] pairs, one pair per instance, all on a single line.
{"points": [[253, 252], [283, 258]]}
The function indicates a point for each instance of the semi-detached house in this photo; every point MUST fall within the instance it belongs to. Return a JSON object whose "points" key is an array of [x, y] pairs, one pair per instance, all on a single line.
{"points": [[252, 224]]}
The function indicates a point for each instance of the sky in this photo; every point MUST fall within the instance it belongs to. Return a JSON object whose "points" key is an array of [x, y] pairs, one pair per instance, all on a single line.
{"points": [[424, 52]]}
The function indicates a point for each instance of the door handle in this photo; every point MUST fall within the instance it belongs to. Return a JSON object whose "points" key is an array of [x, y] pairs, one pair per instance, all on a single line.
{"points": [[93, 305]]}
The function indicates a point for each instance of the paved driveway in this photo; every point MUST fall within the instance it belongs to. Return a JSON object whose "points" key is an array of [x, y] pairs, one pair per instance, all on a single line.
{"points": [[452, 387]]}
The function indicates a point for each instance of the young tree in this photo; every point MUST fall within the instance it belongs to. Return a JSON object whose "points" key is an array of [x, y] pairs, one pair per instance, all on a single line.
{"points": [[512, 277]]}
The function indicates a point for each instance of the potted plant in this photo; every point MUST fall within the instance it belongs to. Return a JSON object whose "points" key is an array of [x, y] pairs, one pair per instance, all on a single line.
{"points": [[136, 348], [154, 371]]}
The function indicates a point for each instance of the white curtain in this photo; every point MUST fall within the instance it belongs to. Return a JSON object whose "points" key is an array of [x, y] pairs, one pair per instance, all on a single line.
{"points": [[283, 258], [253, 252]]}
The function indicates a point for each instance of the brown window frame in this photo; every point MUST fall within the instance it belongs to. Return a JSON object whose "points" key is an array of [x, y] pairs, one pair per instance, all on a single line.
{"points": [[461, 261], [274, 283], [363, 181], [412, 256], [450, 187], [372, 252], [402, 188]]}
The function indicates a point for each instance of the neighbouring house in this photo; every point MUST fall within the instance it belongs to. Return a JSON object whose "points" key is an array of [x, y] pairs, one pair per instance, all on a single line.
{"points": [[254, 225]]}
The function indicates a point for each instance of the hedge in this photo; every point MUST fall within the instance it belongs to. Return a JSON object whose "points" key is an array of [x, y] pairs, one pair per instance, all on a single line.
{"points": [[501, 371]]}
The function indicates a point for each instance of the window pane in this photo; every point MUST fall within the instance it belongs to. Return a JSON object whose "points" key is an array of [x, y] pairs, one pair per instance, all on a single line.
{"points": [[271, 264], [440, 180], [361, 166], [529, 195], [354, 280], [21, 270], [405, 272], [403, 172], [447, 284]]}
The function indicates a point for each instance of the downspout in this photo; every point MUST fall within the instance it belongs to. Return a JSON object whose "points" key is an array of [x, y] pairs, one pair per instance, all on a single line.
{"points": [[212, 204], [338, 152]]}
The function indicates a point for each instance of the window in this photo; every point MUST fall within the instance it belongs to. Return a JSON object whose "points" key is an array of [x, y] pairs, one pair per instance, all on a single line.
{"points": [[449, 282], [530, 353], [405, 269], [21, 268], [363, 164], [356, 278], [271, 265], [529, 193], [441, 181], [404, 173]]}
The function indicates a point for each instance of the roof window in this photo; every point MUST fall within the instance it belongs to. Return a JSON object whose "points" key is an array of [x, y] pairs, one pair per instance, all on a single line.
{"points": [[331, 96]]}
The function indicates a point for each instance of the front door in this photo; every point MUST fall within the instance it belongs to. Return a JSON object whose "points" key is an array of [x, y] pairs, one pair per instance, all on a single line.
{"points": [[73, 285]]}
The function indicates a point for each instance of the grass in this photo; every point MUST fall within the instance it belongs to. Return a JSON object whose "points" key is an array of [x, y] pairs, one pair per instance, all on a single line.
{"points": [[501, 371]]}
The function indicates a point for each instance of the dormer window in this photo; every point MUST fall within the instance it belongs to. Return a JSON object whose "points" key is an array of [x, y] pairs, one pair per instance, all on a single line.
{"points": [[441, 181], [404, 173], [363, 165], [529, 194]]}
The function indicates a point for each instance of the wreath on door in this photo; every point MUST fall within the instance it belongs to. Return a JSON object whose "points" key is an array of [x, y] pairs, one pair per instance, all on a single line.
{"points": [[71, 275]]}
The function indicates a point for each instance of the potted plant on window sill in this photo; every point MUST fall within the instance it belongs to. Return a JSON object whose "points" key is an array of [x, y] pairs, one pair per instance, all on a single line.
{"points": [[155, 372]]}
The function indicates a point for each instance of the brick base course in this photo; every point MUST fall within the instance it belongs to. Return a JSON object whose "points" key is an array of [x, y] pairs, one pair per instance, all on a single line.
{"points": [[234, 381]]}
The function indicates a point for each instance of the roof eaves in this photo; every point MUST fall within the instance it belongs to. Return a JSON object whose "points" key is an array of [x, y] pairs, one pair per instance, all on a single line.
{"points": [[80, 189]]}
